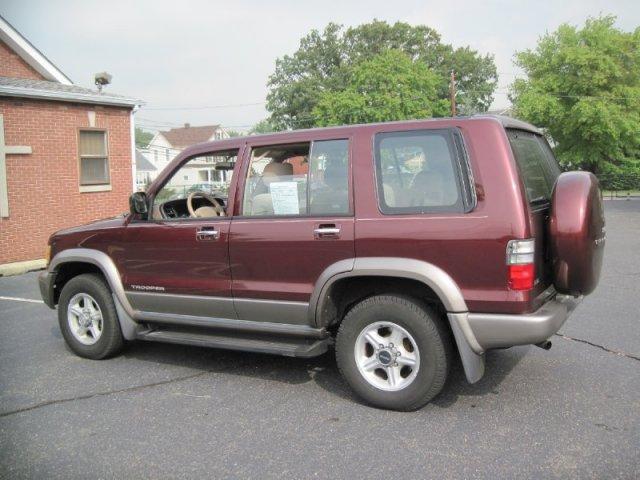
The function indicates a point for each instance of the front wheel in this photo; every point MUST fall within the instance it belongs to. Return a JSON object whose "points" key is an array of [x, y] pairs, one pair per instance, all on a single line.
{"points": [[88, 319], [394, 352]]}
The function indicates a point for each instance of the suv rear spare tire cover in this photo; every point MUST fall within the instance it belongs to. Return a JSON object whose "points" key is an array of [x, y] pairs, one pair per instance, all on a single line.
{"points": [[576, 233]]}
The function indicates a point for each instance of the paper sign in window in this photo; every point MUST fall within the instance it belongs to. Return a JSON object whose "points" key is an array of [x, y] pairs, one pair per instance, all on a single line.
{"points": [[284, 196]]}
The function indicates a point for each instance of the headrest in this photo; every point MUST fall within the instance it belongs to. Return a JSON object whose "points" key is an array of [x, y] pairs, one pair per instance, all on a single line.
{"points": [[275, 169], [426, 179], [335, 175]]}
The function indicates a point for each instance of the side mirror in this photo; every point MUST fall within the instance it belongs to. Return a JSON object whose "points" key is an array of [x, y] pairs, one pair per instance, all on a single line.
{"points": [[138, 204]]}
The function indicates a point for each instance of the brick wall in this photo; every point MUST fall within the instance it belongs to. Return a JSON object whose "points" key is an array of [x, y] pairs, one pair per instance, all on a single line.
{"points": [[11, 65], [43, 187]]}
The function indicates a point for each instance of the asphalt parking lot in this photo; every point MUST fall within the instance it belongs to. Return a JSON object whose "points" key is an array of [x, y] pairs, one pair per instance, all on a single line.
{"points": [[162, 411]]}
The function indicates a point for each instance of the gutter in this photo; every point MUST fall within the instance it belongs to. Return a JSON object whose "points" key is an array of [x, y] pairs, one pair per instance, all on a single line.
{"points": [[96, 99]]}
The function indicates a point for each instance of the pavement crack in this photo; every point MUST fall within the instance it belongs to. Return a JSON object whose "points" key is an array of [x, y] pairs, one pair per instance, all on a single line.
{"points": [[601, 347], [103, 394]]}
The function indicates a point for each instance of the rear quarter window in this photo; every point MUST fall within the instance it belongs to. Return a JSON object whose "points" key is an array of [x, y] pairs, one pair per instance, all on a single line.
{"points": [[536, 164], [420, 171]]}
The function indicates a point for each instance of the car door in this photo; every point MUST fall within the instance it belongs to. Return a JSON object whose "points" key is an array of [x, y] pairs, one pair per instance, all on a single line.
{"points": [[176, 263], [293, 218]]}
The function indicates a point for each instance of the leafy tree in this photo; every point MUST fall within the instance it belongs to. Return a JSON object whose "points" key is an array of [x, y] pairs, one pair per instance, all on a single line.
{"points": [[324, 61], [143, 138], [389, 86], [234, 133], [583, 88], [263, 126]]}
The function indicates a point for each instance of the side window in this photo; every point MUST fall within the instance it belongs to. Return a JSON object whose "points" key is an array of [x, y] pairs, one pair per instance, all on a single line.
{"points": [[329, 192], [536, 163], [194, 184], [418, 172], [299, 179]]}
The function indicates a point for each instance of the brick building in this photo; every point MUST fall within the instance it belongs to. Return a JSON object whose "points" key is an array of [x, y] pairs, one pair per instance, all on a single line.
{"points": [[66, 152]]}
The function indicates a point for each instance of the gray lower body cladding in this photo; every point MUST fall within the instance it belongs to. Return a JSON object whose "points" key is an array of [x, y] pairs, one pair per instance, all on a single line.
{"points": [[500, 331]]}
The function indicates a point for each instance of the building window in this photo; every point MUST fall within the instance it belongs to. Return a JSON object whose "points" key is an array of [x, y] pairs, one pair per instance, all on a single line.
{"points": [[94, 160]]}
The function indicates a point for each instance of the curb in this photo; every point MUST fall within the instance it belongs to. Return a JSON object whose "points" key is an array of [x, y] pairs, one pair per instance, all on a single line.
{"points": [[18, 268]]}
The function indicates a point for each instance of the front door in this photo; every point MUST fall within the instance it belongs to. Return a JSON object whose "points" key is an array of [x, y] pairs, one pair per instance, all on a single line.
{"points": [[293, 221], [177, 261]]}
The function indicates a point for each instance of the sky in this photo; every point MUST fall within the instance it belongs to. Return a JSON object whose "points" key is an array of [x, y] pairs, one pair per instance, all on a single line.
{"points": [[183, 58]]}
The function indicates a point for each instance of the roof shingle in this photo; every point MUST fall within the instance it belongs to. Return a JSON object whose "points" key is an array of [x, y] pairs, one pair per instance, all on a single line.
{"points": [[143, 164], [26, 87], [187, 136]]}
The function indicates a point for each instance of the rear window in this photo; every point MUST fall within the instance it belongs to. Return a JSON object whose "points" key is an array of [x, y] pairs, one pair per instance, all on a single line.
{"points": [[418, 172], [536, 163]]}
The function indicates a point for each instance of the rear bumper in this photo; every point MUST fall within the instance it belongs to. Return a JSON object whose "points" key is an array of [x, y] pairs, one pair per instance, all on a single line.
{"points": [[46, 281], [500, 331]]}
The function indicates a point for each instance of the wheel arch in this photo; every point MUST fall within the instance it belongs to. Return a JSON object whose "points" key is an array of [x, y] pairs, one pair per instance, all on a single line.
{"points": [[434, 278], [431, 277], [76, 261]]}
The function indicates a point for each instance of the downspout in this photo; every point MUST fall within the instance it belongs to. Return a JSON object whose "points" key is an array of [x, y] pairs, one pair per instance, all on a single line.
{"points": [[132, 124]]}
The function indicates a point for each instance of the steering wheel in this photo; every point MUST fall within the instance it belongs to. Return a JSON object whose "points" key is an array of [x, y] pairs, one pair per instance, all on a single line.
{"points": [[216, 210]]}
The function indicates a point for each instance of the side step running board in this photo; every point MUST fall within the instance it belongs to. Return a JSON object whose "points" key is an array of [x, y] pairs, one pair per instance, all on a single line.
{"points": [[231, 324], [297, 348]]}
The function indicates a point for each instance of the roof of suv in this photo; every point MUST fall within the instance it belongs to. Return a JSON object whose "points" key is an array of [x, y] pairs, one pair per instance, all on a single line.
{"points": [[235, 142]]}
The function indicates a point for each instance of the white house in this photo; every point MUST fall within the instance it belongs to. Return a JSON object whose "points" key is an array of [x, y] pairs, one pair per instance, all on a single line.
{"points": [[145, 171], [164, 146]]}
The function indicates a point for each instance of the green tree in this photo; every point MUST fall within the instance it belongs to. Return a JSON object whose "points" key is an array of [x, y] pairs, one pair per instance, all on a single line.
{"points": [[263, 126], [389, 86], [324, 59], [143, 138], [583, 88], [234, 133]]}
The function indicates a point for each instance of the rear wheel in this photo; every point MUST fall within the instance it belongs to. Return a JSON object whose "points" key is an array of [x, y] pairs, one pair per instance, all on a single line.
{"points": [[394, 352], [88, 318]]}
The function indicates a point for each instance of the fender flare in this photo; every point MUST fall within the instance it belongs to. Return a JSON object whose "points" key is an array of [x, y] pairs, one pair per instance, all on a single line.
{"points": [[471, 353], [126, 313], [432, 276]]}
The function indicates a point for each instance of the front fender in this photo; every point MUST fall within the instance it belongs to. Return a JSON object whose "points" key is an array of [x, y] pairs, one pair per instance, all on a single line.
{"points": [[100, 260]]}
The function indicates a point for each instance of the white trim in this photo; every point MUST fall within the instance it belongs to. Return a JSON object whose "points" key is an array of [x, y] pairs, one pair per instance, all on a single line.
{"points": [[94, 98], [17, 150], [30, 54], [95, 188], [132, 125], [4, 186]]}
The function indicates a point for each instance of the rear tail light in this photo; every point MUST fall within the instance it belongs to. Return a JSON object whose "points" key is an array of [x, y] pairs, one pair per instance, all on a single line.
{"points": [[520, 264]]}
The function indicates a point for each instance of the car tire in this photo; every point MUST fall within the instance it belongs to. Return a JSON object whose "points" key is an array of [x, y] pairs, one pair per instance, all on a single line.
{"points": [[88, 319], [420, 337]]}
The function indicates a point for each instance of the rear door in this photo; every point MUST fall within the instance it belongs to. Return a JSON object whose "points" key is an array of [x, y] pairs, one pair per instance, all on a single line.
{"points": [[538, 171], [295, 218]]}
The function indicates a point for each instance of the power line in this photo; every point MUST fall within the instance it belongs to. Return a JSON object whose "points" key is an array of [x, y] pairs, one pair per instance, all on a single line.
{"points": [[308, 120], [207, 107]]}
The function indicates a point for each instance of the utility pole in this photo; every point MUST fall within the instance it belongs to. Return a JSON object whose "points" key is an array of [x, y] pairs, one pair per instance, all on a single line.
{"points": [[452, 93]]}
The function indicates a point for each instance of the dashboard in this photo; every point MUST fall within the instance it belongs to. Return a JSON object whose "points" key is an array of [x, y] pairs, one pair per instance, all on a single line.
{"points": [[178, 208]]}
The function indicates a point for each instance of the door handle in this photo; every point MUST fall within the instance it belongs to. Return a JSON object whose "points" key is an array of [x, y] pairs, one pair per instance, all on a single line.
{"points": [[327, 231], [207, 233]]}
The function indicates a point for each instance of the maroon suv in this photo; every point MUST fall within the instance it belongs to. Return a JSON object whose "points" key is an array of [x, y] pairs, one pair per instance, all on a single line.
{"points": [[405, 244]]}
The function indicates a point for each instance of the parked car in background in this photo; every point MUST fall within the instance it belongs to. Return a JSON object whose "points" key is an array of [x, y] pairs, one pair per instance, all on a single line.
{"points": [[406, 244]]}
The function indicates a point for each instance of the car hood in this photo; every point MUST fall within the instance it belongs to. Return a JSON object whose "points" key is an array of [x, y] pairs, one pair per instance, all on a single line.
{"points": [[96, 225]]}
